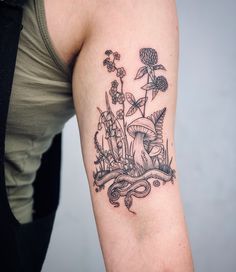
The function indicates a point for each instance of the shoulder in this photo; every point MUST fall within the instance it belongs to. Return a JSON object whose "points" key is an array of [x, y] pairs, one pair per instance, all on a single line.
{"points": [[71, 22]]}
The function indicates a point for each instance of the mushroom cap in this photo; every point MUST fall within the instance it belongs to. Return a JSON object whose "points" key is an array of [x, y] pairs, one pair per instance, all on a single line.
{"points": [[142, 125]]}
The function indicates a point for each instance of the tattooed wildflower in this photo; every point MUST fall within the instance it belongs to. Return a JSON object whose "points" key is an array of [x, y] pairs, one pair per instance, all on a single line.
{"points": [[106, 61], [110, 67], [158, 84], [114, 100], [120, 114], [113, 91], [161, 83], [114, 83], [148, 56], [121, 72], [108, 52], [116, 55], [121, 98], [128, 165]]}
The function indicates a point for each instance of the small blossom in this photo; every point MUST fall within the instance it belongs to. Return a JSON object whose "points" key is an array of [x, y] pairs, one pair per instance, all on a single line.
{"points": [[120, 114], [128, 165], [120, 72], [116, 55], [106, 61], [110, 67], [121, 98], [113, 91], [108, 52], [157, 84], [114, 83], [114, 99]]}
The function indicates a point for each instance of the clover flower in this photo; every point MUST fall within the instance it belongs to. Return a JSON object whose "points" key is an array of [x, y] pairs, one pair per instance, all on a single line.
{"points": [[148, 56], [157, 84], [161, 83]]}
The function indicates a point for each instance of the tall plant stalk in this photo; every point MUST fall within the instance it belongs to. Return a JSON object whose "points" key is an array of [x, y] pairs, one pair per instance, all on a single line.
{"points": [[145, 97]]}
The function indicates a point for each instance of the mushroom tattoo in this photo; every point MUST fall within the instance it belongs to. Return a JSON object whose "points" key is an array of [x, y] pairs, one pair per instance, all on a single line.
{"points": [[131, 154], [142, 129]]}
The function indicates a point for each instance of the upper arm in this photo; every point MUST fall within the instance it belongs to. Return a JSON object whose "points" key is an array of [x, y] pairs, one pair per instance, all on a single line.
{"points": [[124, 88]]}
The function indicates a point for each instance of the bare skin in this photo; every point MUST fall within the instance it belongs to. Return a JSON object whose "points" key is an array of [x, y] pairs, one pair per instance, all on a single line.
{"points": [[155, 237]]}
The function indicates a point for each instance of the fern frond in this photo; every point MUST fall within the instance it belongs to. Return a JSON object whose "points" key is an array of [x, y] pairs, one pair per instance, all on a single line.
{"points": [[158, 119]]}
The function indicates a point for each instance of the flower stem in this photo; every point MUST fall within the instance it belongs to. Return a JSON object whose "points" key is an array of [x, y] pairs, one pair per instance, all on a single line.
{"points": [[123, 119], [141, 112], [145, 97]]}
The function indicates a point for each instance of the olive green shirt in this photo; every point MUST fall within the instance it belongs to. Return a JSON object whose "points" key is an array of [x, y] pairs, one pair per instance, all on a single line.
{"points": [[41, 102]]}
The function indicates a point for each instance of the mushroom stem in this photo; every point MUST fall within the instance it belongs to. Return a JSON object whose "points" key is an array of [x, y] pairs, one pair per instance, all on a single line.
{"points": [[142, 159]]}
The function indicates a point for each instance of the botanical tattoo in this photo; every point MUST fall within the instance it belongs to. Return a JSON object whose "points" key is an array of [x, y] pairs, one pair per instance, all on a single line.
{"points": [[131, 151]]}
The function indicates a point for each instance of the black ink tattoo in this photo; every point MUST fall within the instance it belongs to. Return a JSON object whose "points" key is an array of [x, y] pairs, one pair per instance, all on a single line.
{"points": [[131, 154]]}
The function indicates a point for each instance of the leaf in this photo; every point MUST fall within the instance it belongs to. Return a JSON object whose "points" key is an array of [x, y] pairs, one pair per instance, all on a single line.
{"points": [[131, 110], [149, 86], [97, 161], [158, 119], [141, 101], [141, 72], [157, 116], [130, 98], [120, 151], [159, 67], [99, 126], [116, 153], [154, 93]]}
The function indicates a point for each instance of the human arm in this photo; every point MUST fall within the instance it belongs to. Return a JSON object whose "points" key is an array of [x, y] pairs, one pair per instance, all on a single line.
{"points": [[132, 139]]}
